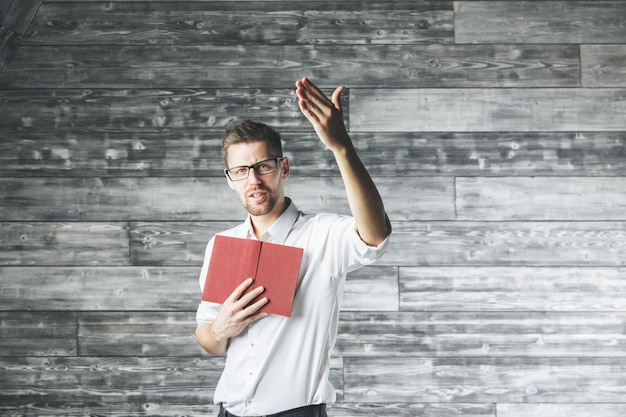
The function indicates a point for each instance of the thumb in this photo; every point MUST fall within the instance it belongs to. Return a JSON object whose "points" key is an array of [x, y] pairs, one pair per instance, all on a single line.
{"points": [[336, 98]]}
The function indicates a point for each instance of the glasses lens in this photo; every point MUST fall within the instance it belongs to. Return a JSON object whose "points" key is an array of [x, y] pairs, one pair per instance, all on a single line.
{"points": [[261, 168], [265, 167], [238, 173]]}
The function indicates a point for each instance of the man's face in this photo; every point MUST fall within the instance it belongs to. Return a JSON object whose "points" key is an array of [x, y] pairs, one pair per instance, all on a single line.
{"points": [[259, 194]]}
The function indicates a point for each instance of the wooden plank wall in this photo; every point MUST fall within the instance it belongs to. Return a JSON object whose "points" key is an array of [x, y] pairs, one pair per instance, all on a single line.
{"points": [[15, 16], [496, 132]]}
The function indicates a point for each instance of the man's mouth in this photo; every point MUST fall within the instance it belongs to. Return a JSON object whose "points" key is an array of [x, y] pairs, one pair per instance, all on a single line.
{"points": [[258, 195]]}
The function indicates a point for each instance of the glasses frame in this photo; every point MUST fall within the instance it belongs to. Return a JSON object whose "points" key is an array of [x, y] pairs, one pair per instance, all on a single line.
{"points": [[254, 167]]}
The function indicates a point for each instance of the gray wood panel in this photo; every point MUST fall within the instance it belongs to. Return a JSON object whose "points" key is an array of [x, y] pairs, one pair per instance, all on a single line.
{"points": [[99, 288], [508, 380], [491, 110], [483, 334], [9, 42], [412, 409], [155, 289], [573, 410], [15, 16], [185, 199], [46, 334], [136, 409], [399, 154], [58, 243], [247, 22], [108, 381], [138, 334], [506, 289], [494, 129], [145, 110], [373, 288], [603, 65], [507, 244], [391, 66], [113, 384], [539, 22], [175, 243], [377, 334], [540, 198], [430, 244]]}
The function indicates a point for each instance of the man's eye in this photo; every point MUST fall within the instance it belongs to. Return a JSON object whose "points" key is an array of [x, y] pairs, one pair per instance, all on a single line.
{"points": [[240, 170]]}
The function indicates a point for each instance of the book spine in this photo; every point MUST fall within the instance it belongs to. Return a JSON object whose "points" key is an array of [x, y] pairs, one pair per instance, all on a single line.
{"points": [[250, 260]]}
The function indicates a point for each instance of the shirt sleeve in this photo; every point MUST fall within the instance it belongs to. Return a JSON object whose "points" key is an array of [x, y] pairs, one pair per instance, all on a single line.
{"points": [[207, 311], [343, 249], [366, 254]]}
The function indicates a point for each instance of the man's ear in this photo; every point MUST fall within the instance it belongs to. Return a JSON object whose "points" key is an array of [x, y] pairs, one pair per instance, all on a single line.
{"points": [[286, 169]]}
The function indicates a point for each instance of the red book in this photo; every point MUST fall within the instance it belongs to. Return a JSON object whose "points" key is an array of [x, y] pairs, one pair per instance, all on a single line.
{"points": [[273, 266]]}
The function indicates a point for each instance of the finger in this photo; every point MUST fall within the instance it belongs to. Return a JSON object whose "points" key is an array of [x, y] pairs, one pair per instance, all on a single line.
{"points": [[241, 288], [314, 93], [250, 296], [336, 99], [255, 307], [254, 317]]}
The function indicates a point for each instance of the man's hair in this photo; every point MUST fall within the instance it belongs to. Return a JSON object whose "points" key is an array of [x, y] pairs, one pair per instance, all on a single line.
{"points": [[249, 131]]}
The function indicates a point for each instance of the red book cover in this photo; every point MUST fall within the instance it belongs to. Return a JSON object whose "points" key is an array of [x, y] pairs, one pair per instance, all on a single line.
{"points": [[273, 266]]}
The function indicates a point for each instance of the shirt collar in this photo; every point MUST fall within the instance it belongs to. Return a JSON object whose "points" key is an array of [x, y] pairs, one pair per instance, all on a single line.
{"points": [[277, 233]]}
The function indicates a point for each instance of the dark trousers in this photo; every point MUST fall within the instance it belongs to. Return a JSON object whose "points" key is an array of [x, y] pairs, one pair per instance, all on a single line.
{"points": [[318, 410]]}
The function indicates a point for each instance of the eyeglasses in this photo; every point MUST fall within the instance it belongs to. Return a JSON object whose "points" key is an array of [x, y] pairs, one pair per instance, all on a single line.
{"points": [[267, 166]]}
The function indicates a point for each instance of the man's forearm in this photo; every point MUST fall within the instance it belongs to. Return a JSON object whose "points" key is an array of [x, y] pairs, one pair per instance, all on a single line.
{"points": [[364, 199]]}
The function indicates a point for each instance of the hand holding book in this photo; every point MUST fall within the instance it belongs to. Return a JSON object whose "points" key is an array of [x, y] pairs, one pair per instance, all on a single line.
{"points": [[272, 266]]}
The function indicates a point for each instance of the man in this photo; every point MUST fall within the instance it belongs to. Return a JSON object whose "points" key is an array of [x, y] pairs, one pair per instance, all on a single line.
{"points": [[274, 364]]}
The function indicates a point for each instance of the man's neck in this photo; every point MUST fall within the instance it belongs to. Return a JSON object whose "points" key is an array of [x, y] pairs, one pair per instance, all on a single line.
{"points": [[260, 224]]}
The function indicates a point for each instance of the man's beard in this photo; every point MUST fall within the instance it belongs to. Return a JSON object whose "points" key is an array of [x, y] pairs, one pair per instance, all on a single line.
{"points": [[261, 210]]}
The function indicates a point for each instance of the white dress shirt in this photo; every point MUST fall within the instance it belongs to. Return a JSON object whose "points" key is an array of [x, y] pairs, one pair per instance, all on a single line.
{"points": [[279, 363]]}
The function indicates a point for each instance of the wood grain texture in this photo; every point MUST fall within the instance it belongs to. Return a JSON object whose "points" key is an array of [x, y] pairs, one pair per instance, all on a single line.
{"points": [[136, 409], [99, 288], [162, 289], [9, 42], [44, 334], [491, 110], [565, 244], [494, 130], [411, 409], [539, 198], [508, 380], [603, 65], [482, 334], [504, 289], [373, 288], [243, 22], [178, 243], [58, 243], [137, 384], [138, 334], [16, 15], [185, 199], [136, 154], [395, 154], [542, 22], [145, 110], [391, 66], [577, 409], [138, 380]]}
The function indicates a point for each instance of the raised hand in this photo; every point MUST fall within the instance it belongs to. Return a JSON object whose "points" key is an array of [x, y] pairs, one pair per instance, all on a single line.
{"points": [[325, 114]]}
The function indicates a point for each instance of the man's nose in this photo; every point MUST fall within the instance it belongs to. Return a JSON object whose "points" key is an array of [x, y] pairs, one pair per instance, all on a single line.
{"points": [[253, 177]]}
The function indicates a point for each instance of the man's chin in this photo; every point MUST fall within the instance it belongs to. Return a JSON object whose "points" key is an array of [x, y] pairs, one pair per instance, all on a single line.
{"points": [[259, 210]]}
